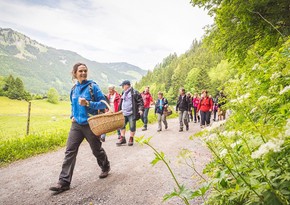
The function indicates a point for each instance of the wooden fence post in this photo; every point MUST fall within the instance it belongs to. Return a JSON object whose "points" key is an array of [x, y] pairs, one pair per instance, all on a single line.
{"points": [[28, 118]]}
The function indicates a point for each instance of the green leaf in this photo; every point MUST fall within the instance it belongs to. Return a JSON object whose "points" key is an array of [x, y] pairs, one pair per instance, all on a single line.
{"points": [[157, 159]]}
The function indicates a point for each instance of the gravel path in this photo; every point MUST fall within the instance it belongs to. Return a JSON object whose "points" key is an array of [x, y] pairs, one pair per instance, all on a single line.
{"points": [[132, 179]]}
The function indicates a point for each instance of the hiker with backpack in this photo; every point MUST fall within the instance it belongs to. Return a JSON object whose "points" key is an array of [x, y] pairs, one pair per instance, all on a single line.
{"points": [[182, 107], [205, 107], [133, 107], [148, 100], [85, 98], [161, 106]]}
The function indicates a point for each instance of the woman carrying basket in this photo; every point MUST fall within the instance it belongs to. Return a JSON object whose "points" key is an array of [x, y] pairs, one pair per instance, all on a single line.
{"points": [[85, 99]]}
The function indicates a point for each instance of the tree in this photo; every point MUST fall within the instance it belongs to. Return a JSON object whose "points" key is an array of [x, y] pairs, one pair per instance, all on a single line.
{"points": [[52, 96], [240, 24]]}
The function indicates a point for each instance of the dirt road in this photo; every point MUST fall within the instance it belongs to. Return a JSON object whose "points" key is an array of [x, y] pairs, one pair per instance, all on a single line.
{"points": [[132, 179]]}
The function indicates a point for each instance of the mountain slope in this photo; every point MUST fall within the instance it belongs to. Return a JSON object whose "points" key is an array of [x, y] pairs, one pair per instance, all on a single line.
{"points": [[42, 67]]}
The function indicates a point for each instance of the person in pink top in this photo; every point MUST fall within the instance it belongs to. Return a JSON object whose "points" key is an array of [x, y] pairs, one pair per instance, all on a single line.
{"points": [[148, 100], [195, 102]]}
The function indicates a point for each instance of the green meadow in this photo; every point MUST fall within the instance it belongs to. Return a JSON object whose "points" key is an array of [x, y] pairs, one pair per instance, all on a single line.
{"points": [[49, 127]]}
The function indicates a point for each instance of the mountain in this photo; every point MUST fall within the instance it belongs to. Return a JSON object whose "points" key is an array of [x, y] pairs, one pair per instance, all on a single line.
{"points": [[42, 67]]}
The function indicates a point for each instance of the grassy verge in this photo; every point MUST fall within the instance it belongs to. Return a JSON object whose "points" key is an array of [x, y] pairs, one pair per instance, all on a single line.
{"points": [[49, 128]]}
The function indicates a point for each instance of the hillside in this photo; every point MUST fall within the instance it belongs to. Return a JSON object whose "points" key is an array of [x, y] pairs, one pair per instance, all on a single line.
{"points": [[41, 67]]}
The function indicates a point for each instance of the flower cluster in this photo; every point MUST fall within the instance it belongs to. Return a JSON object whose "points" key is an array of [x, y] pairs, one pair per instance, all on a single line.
{"points": [[285, 90], [241, 98], [275, 75], [271, 145]]}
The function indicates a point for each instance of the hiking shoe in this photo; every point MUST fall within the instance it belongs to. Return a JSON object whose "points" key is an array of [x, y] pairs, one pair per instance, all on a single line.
{"points": [[104, 174], [121, 141], [60, 187], [166, 126], [131, 141], [187, 128], [119, 137], [159, 130], [181, 130], [144, 128]]}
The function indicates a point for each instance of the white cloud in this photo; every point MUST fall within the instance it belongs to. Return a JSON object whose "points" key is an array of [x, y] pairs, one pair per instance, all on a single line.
{"points": [[135, 31]]}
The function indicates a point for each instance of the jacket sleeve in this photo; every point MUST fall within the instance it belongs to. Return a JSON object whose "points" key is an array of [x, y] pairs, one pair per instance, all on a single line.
{"points": [[97, 105], [199, 105], [177, 104], [140, 103], [70, 97]]}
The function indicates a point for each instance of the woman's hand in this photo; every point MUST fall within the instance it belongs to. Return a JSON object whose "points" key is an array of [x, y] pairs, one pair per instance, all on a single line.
{"points": [[83, 102], [73, 119]]}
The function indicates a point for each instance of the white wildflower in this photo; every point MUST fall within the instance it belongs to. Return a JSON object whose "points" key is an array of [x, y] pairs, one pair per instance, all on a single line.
{"points": [[253, 110], [273, 88], [257, 82], [262, 98], [275, 75], [241, 98], [228, 133], [223, 153], [271, 145], [211, 137], [285, 90], [236, 143], [255, 66], [239, 133], [287, 128]]}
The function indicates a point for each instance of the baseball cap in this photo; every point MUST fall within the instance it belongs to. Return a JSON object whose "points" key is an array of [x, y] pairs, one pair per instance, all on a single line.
{"points": [[125, 82]]}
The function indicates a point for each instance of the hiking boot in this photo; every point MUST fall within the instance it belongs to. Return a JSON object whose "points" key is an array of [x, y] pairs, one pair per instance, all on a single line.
{"points": [[144, 128], [121, 141], [181, 130], [60, 187], [131, 141], [104, 174], [187, 128], [119, 137], [159, 130], [166, 126]]}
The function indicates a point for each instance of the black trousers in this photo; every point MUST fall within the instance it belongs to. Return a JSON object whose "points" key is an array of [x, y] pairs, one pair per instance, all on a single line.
{"points": [[205, 117], [76, 135]]}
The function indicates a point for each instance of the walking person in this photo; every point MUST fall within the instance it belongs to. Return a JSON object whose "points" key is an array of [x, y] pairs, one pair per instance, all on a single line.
{"points": [[85, 98], [114, 99], [182, 107], [132, 106], [160, 106], [215, 108], [148, 100], [195, 102], [190, 116], [205, 107]]}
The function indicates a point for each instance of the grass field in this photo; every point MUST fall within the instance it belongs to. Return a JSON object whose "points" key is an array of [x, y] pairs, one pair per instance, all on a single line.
{"points": [[45, 117], [49, 127]]}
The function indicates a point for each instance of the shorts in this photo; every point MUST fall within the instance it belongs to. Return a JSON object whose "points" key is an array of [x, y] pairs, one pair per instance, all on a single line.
{"points": [[132, 123]]}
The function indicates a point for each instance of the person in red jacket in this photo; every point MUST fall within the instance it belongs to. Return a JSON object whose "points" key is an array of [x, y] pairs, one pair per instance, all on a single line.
{"points": [[148, 100], [114, 98], [205, 107], [195, 102]]}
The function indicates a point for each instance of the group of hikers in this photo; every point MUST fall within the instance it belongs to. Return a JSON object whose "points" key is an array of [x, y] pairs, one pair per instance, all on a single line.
{"points": [[86, 97]]}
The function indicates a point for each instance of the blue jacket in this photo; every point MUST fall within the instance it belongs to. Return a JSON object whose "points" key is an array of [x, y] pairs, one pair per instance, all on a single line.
{"points": [[82, 113]]}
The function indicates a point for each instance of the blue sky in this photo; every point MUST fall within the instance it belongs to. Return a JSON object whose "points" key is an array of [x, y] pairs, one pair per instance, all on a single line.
{"points": [[134, 31]]}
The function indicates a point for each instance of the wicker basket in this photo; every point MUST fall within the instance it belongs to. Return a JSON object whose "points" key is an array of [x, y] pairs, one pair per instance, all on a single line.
{"points": [[107, 122]]}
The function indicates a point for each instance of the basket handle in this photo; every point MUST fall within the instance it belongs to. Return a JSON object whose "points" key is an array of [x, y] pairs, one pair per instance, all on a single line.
{"points": [[109, 107]]}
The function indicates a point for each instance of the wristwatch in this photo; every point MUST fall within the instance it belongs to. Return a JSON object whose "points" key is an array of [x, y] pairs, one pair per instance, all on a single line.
{"points": [[88, 104]]}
